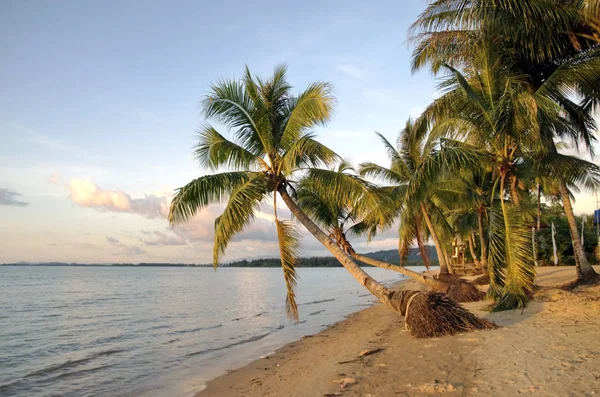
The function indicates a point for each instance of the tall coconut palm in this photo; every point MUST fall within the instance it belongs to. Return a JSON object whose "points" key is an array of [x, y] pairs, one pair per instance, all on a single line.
{"points": [[497, 116], [405, 160], [273, 141], [542, 36]]}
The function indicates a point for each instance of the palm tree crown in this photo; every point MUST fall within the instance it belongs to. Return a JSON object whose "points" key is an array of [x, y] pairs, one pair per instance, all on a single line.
{"points": [[273, 139]]}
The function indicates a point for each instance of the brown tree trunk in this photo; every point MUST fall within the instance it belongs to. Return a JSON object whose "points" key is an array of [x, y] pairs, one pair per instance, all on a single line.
{"points": [[429, 281], [482, 240], [473, 254], [422, 250], [382, 293], [514, 193], [436, 242], [585, 272]]}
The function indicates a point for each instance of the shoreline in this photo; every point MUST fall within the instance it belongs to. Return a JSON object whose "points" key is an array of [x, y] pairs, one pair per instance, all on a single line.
{"points": [[534, 352]]}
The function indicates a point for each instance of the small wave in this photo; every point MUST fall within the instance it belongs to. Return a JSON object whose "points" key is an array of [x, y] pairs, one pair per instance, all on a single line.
{"points": [[363, 295], [259, 314], [190, 330], [239, 318], [173, 340], [214, 349], [321, 301], [71, 363], [317, 312]]}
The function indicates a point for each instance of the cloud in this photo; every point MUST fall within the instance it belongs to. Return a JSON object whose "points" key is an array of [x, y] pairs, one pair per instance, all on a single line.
{"points": [[350, 70], [87, 194], [160, 238], [8, 197], [126, 249]]}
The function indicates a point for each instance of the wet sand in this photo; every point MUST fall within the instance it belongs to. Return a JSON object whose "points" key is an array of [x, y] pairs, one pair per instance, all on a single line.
{"points": [[552, 348]]}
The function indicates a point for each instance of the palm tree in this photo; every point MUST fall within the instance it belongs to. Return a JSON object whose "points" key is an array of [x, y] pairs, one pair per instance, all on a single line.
{"points": [[542, 37], [344, 204], [273, 141], [498, 117], [404, 162]]}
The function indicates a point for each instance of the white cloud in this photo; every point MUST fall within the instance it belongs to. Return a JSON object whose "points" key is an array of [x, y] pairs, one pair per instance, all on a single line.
{"points": [[87, 194]]}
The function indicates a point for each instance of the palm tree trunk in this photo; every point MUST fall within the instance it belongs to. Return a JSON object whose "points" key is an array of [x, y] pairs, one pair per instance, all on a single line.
{"points": [[436, 242], [473, 254], [514, 193], [585, 272], [422, 250], [429, 281], [382, 293], [482, 240]]}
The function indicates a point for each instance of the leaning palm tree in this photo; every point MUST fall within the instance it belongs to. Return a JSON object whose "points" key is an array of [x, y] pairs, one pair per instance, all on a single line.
{"points": [[345, 205], [272, 143]]}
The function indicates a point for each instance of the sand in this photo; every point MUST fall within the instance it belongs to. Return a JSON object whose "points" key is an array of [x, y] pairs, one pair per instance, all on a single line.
{"points": [[552, 348]]}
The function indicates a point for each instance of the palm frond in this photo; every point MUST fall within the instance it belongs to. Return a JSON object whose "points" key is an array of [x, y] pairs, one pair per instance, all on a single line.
{"points": [[306, 152], [311, 108], [214, 151], [520, 272], [243, 202], [289, 248], [200, 192]]}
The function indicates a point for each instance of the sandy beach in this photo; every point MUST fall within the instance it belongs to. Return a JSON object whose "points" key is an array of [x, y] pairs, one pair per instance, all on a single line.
{"points": [[552, 348]]}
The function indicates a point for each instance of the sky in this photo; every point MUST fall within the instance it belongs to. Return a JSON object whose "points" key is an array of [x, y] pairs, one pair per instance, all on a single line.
{"points": [[99, 106]]}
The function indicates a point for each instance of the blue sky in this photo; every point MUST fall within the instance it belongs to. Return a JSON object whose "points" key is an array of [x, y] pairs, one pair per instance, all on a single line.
{"points": [[99, 106]]}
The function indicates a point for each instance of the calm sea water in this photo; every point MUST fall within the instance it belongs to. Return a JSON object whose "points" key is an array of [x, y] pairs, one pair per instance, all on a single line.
{"points": [[97, 331]]}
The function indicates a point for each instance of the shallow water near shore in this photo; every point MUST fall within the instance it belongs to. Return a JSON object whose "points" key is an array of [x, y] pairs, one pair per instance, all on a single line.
{"points": [[102, 331]]}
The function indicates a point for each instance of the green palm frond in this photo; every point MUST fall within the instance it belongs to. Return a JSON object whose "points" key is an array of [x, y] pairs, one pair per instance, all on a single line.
{"points": [[376, 171], [289, 248], [306, 152], [520, 272], [214, 151], [243, 202], [208, 189], [311, 108]]}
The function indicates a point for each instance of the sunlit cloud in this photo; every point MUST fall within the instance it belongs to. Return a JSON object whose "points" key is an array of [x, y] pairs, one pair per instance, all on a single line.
{"points": [[87, 194]]}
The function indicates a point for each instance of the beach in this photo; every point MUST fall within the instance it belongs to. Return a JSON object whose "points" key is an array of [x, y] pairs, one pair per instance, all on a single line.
{"points": [[549, 349]]}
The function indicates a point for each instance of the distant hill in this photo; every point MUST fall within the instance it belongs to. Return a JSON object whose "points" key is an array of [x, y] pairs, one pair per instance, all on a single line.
{"points": [[392, 256], [413, 259]]}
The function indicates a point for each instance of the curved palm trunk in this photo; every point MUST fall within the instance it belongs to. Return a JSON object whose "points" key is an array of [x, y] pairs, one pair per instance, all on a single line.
{"points": [[473, 254], [482, 240], [382, 293], [436, 242], [585, 272], [422, 250]]}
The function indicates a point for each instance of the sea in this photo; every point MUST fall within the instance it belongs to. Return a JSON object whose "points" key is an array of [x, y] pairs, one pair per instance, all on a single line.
{"points": [[155, 331]]}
